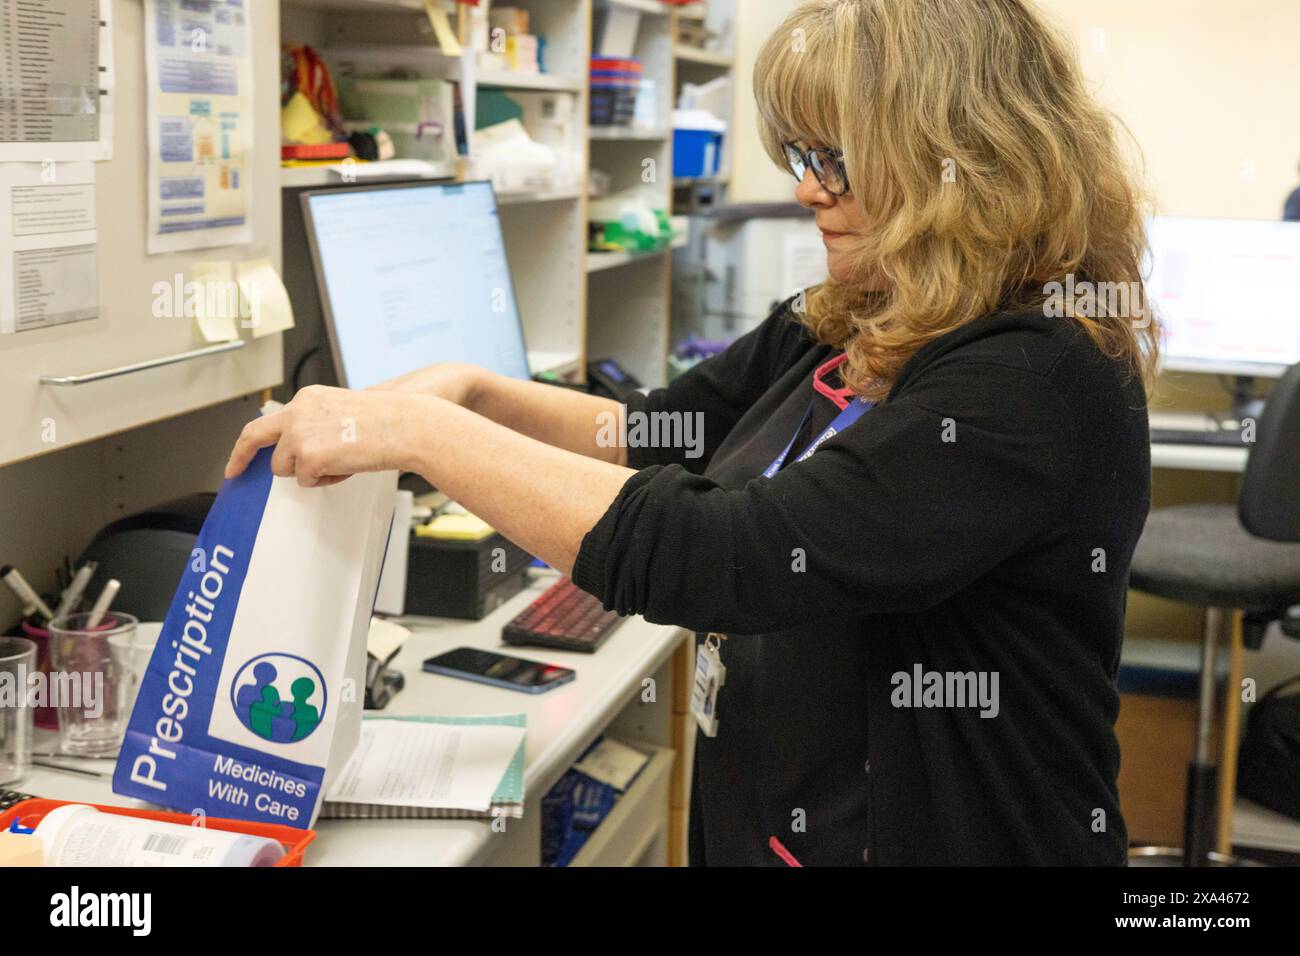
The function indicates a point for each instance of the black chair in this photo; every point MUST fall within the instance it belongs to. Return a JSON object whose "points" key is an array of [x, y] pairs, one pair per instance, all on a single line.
{"points": [[1223, 559]]}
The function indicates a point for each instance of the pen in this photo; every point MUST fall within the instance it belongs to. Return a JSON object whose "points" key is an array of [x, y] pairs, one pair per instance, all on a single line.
{"points": [[66, 769], [102, 603], [75, 589], [18, 584]]}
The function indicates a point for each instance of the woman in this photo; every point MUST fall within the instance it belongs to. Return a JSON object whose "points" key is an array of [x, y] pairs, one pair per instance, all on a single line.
{"points": [[924, 617]]}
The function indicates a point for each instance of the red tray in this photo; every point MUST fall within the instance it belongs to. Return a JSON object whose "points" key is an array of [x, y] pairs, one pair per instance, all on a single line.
{"points": [[28, 813]]}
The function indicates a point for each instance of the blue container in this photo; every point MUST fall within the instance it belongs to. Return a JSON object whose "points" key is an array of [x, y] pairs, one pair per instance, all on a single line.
{"points": [[696, 153]]}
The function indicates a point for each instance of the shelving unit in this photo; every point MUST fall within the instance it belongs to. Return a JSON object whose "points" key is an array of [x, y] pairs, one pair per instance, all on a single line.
{"points": [[708, 58], [628, 293], [630, 836], [545, 231], [574, 303], [629, 132], [698, 65], [698, 196], [599, 261]]}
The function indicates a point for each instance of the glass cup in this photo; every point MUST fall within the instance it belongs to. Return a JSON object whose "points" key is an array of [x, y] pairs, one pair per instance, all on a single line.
{"points": [[17, 663], [133, 652], [92, 684]]}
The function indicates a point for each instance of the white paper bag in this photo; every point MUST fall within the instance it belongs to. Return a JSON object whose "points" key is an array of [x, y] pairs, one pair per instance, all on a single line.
{"points": [[252, 700]]}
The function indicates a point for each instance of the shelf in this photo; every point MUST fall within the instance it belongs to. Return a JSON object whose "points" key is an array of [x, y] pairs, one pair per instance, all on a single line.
{"points": [[627, 133], [639, 817], [561, 364], [545, 195], [721, 179], [427, 59], [332, 175], [361, 6], [508, 80], [308, 176], [653, 7], [691, 54], [600, 261]]}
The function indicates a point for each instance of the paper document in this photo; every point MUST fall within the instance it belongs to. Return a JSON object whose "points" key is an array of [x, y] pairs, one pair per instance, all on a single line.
{"points": [[803, 261], [613, 762], [266, 301], [217, 302], [442, 28], [48, 255], [56, 81], [408, 763], [200, 121]]}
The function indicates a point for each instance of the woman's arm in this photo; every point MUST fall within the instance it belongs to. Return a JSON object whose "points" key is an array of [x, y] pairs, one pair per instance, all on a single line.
{"points": [[925, 494], [557, 416], [719, 390], [543, 498]]}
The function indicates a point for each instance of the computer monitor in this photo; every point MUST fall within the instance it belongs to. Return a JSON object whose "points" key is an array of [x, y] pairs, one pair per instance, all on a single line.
{"points": [[1227, 292], [412, 274]]}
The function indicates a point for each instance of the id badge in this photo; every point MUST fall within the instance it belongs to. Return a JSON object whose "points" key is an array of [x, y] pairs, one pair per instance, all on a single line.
{"points": [[710, 675]]}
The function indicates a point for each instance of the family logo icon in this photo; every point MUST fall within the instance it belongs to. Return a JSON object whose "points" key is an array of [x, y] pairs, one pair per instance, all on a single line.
{"points": [[279, 697]]}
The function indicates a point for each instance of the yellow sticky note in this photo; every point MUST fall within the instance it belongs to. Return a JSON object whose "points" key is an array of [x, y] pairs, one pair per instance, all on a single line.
{"points": [[300, 123], [441, 24], [216, 300], [455, 528], [265, 298]]}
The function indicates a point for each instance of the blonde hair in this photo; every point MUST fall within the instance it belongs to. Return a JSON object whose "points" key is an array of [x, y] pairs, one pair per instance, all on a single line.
{"points": [[986, 171]]}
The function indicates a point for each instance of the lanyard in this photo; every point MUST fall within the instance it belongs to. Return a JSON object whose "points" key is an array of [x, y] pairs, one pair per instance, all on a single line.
{"points": [[850, 414]]}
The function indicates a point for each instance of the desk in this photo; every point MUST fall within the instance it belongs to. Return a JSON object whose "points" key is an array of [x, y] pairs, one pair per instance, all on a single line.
{"points": [[1198, 457], [561, 724], [1193, 457]]}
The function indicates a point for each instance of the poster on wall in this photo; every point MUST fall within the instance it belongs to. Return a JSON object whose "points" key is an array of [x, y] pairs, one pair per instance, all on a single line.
{"points": [[200, 120], [56, 81], [48, 245]]}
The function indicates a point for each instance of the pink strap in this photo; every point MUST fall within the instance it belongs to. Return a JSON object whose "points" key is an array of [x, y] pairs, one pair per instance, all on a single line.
{"points": [[840, 396], [779, 849]]}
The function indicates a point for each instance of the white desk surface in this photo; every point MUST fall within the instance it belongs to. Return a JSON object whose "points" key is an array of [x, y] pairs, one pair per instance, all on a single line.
{"points": [[561, 723], [1193, 457], [1198, 457]]}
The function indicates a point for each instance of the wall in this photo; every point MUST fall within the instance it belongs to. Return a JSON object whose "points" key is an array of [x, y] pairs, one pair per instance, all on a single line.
{"points": [[1202, 84], [754, 177], [51, 505]]}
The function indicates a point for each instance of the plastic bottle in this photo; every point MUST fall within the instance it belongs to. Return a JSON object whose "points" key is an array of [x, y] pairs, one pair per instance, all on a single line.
{"points": [[79, 835]]}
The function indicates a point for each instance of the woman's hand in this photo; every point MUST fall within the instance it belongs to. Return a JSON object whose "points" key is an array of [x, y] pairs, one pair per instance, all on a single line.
{"points": [[542, 497], [453, 381], [326, 434]]}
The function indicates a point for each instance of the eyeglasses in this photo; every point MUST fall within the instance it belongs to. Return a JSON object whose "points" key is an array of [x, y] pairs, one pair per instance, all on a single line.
{"points": [[827, 165]]}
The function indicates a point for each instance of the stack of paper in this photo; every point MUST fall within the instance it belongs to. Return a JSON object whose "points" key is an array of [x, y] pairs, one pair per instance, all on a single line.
{"points": [[431, 767]]}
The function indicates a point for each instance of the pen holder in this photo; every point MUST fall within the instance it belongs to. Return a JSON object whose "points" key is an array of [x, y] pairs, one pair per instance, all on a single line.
{"points": [[45, 716]]}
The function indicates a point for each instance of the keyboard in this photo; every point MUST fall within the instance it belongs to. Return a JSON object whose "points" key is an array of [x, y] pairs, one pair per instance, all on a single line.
{"points": [[1218, 437], [564, 617]]}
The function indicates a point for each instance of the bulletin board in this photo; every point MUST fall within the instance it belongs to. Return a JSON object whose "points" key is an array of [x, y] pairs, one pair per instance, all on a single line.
{"points": [[128, 329]]}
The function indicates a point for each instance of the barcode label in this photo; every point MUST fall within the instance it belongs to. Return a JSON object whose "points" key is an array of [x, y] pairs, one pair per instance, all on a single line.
{"points": [[163, 843]]}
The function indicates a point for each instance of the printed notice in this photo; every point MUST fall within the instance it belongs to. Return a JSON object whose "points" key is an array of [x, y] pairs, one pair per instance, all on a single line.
{"points": [[200, 121], [48, 254], [56, 80]]}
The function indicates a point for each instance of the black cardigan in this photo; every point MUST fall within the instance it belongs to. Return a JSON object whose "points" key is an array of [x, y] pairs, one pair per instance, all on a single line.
{"points": [[979, 521]]}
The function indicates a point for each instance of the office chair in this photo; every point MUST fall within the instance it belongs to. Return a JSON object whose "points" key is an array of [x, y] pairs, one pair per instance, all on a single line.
{"points": [[1224, 558]]}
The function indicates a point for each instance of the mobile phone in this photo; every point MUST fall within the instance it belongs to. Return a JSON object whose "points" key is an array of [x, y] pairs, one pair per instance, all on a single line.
{"points": [[499, 670]]}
